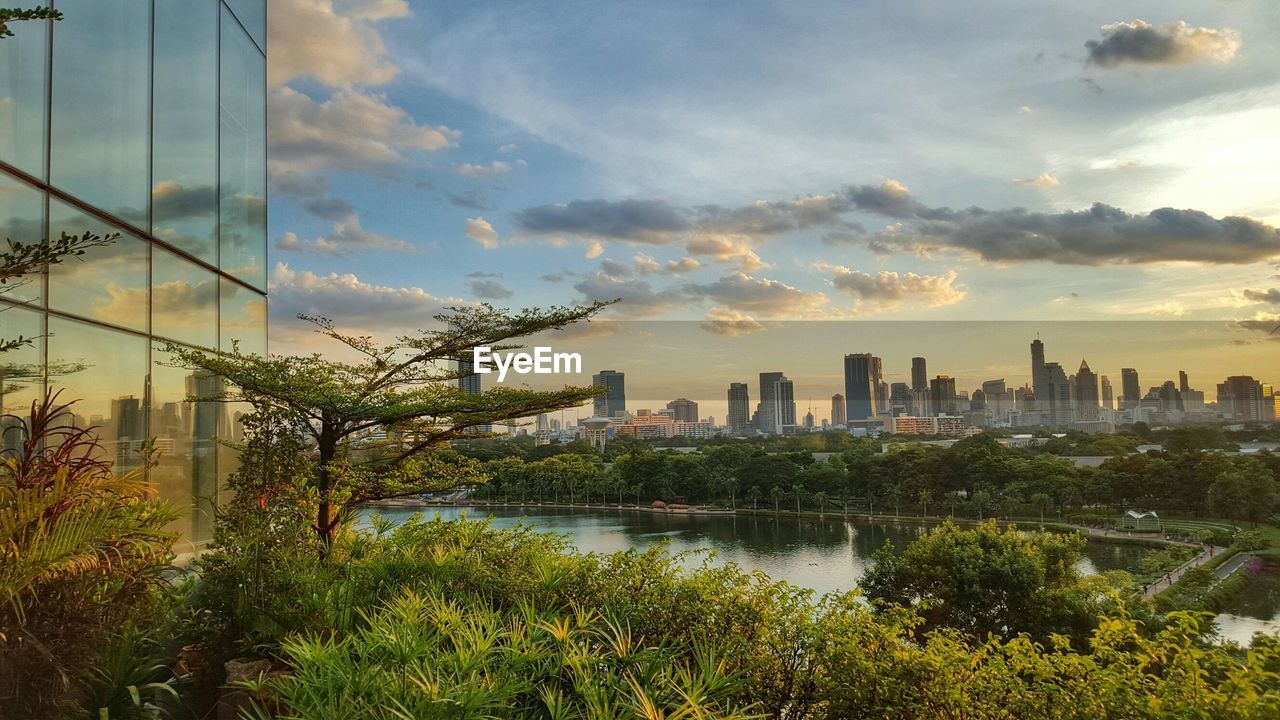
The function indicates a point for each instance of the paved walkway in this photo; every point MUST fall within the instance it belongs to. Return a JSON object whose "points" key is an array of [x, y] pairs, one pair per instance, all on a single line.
{"points": [[1203, 557]]}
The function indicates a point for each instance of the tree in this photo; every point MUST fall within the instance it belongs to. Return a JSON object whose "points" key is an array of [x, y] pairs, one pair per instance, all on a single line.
{"points": [[821, 499], [400, 388], [984, 580], [754, 495], [776, 493], [924, 498], [1041, 501], [8, 15]]}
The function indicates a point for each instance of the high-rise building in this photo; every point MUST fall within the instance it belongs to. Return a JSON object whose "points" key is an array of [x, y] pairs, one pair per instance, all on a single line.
{"points": [[469, 383], [899, 399], [999, 399], [861, 386], [683, 410], [784, 404], [146, 119], [766, 420], [1038, 373], [1183, 384], [1130, 390], [942, 392], [1086, 394], [613, 403], [1055, 402], [1108, 400], [919, 377], [739, 419], [1240, 398], [808, 420], [838, 410]]}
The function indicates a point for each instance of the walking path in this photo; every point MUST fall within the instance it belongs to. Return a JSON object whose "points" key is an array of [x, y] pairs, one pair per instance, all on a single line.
{"points": [[1205, 556]]}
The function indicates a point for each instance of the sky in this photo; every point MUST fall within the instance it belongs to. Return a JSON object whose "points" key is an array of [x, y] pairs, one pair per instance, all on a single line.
{"points": [[732, 169]]}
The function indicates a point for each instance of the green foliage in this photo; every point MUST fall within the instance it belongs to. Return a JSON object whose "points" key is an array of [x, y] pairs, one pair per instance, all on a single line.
{"points": [[8, 15], [22, 260], [82, 553], [984, 580]]}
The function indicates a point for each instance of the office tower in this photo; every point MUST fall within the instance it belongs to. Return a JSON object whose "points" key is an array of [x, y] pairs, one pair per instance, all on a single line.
{"points": [[942, 392], [766, 420], [861, 386], [468, 380], [1107, 395], [999, 399], [1240, 398], [739, 420], [146, 119], [1056, 400], [919, 378], [784, 404], [614, 402], [978, 401], [1170, 398], [808, 420], [1038, 373], [1183, 384], [1086, 394], [838, 409], [1268, 405], [683, 410], [899, 399], [1130, 390]]}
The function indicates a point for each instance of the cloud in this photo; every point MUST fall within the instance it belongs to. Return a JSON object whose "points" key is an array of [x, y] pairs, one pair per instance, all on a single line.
{"points": [[640, 221], [890, 198], [497, 168], [887, 290], [481, 231], [639, 299], [486, 286], [1026, 110], [331, 209], [726, 249], [347, 236], [471, 199], [351, 130], [1043, 180], [171, 200], [614, 269], [1171, 44], [730, 323], [759, 296], [508, 148], [647, 265], [338, 47], [1266, 323], [1271, 296], [594, 250]]}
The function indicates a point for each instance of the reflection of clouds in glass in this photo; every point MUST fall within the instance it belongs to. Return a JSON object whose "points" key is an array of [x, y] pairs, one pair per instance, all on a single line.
{"points": [[244, 319], [86, 287]]}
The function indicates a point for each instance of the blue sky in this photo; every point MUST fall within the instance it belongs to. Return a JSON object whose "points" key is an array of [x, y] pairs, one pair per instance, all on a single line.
{"points": [[737, 163]]}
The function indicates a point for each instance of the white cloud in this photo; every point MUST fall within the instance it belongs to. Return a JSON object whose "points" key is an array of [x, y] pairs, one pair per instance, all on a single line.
{"points": [[497, 168], [887, 289], [730, 323], [1042, 180], [481, 231], [347, 236], [760, 296], [312, 39], [726, 249], [594, 250]]}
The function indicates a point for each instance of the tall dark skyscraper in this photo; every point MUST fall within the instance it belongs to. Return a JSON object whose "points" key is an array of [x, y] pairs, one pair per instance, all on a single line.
{"points": [[767, 412], [1038, 375], [1056, 399], [1183, 383], [470, 382], [1086, 396], [1130, 390], [613, 402], [861, 386], [739, 419], [900, 399], [942, 391], [919, 376]]}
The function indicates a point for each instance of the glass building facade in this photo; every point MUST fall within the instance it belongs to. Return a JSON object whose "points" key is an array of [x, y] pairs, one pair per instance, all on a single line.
{"points": [[145, 118]]}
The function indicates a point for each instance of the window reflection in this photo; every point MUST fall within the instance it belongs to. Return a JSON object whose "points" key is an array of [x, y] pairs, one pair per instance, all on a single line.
{"points": [[185, 126], [21, 370], [22, 94], [253, 15], [101, 53], [21, 220], [244, 319], [108, 283], [184, 300], [184, 433], [242, 115], [109, 383]]}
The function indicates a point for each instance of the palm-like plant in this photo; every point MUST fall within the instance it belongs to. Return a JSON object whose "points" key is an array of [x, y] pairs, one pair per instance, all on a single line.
{"points": [[81, 551]]}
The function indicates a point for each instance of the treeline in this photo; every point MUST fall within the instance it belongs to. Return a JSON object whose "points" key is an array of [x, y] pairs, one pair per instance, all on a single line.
{"points": [[976, 477]]}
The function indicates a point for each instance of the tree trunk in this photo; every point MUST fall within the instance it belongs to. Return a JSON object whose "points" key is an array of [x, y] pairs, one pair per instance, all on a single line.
{"points": [[326, 525]]}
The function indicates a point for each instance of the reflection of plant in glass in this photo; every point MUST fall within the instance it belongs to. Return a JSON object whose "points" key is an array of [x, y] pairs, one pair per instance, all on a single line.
{"points": [[22, 260], [82, 550], [8, 15]]}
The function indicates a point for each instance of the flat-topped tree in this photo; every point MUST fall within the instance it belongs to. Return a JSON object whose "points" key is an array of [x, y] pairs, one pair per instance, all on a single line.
{"points": [[406, 388]]}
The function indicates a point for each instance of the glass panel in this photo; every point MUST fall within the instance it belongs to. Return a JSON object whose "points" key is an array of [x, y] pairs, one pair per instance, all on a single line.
{"points": [[21, 369], [107, 377], [184, 300], [242, 103], [184, 432], [101, 54], [253, 15], [184, 169], [23, 83], [21, 220], [244, 319], [230, 430], [109, 283]]}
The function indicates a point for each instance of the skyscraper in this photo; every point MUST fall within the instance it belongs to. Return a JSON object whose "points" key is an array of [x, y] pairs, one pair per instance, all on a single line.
{"points": [[146, 119], [919, 377], [1086, 393], [838, 409], [1038, 374], [784, 404], [614, 402], [861, 386], [767, 411], [942, 392], [1183, 384], [1240, 398], [739, 419], [683, 410], [1131, 391], [1108, 399], [899, 399], [1056, 399]]}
